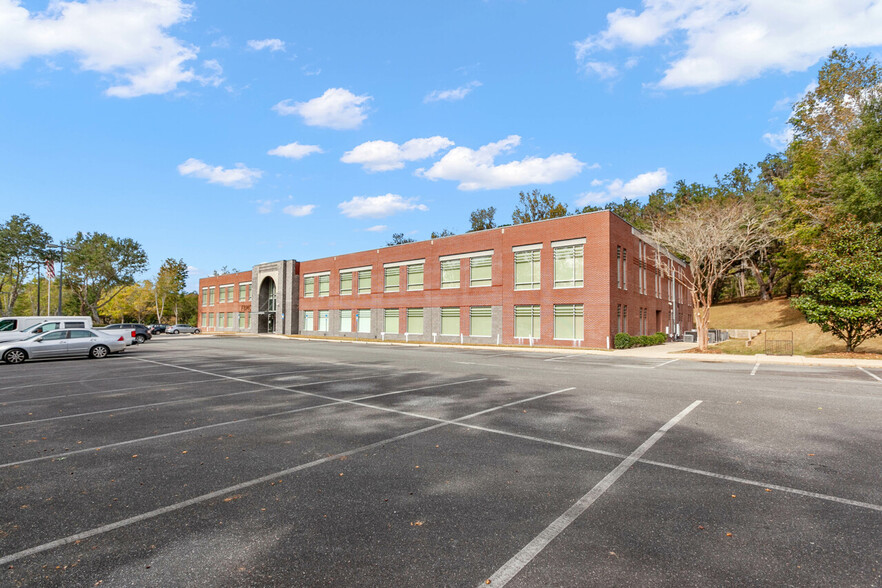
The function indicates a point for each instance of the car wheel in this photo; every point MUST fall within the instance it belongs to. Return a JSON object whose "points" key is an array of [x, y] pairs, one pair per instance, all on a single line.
{"points": [[175, 332], [15, 356], [196, 331], [99, 351], [141, 338]]}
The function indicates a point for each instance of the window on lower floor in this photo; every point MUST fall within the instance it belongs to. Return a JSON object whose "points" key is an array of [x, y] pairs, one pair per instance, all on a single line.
{"points": [[324, 320], [527, 321], [450, 321], [346, 320], [202, 322], [210, 322], [243, 320], [480, 321], [390, 320], [307, 320], [415, 321], [568, 322], [220, 320], [363, 319]]}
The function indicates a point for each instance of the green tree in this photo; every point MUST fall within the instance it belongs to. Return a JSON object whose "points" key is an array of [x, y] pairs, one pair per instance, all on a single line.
{"points": [[23, 244], [537, 206], [170, 283], [399, 239], [99, 266], [857, 173], [843, 293], [483, 218], [823, 123]]}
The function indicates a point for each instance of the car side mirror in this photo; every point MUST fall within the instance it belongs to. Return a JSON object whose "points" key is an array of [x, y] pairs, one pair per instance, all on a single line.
{"points": [[39, 339]]}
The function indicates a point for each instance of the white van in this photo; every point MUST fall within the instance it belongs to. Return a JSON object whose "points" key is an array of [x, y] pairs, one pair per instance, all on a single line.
{"points": [[20, 323], [65, 322]]}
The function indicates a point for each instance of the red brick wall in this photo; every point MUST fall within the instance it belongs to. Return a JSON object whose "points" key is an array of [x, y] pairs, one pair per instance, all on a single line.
{"points": [[226, 307], [602, 231]]}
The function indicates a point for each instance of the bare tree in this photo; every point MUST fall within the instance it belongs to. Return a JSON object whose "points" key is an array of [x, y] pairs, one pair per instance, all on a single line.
{"points": [[713, 236]]}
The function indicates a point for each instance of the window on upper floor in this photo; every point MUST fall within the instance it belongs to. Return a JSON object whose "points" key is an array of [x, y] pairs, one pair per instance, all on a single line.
{"points": [[527, 270], [569, 266], [450, 274], [309, 287], [481, 270], [415, 277]]}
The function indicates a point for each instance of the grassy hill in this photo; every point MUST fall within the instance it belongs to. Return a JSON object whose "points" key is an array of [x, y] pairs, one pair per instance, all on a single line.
{"points": [[778, 315]]}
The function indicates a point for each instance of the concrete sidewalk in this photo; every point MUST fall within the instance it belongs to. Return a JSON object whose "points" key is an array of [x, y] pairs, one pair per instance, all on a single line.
{"points": [[665, 352]]}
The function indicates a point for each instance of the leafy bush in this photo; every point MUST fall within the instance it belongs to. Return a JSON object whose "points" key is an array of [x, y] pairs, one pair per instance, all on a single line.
{"points": [[626, 341]]}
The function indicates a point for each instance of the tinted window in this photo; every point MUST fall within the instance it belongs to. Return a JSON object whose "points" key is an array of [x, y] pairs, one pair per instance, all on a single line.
{"points": [[75, 325], [82, 334], [55, 335], [113, 327], [8, 324], [45, 328]]}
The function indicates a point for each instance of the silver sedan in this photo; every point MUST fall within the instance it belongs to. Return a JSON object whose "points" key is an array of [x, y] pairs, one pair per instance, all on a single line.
{"points": [[63, 343], [175, 329]]}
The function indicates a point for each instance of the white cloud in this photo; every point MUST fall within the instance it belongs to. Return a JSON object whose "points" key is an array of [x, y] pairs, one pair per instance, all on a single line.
{"points": [[727, 41], [265, 206], [271, 44], [385, 155], [603, 69], [337, 108], [215, 75], [236, 177], [125, 39], [295, 150], [475, 169], [452, 95], [221, 43], [299, 209], [377, 228], [378, 206], [637, 187], [780, 140]]}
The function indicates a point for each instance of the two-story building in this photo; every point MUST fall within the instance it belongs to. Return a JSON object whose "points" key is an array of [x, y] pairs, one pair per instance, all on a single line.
{"points": [[571, 281]]}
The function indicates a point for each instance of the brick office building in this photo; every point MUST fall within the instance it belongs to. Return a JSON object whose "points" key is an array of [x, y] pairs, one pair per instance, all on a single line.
{"points": [[572, 281]]}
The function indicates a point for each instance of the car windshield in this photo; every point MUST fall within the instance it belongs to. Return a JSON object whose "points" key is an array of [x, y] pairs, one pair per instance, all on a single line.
{"points": [[41, 328]]}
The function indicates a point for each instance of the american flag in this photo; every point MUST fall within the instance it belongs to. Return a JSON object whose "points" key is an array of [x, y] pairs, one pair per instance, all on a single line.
{"points": [[50, 268]]}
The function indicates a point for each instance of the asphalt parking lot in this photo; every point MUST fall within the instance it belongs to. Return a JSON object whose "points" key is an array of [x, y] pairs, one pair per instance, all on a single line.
{"points": [[205, 461]]}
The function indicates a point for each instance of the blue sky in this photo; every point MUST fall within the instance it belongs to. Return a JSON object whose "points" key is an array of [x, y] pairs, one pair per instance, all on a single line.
{"points": [[231, 133]]}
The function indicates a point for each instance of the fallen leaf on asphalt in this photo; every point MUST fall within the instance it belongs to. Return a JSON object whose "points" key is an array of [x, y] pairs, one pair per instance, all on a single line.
{"points": [[185, 451], [134, 456], [232, 498], [417, 524], [768, 489], [811, 454], [700, 528], [733, 496], [728, 534]]}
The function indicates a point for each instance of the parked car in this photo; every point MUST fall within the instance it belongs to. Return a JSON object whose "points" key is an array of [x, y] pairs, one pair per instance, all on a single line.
{"points": [[45, 327], [175, 329], [142, 333], [63, 343], [158, 329]]}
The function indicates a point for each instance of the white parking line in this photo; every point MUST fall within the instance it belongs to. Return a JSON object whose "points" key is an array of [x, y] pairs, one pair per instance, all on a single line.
{"points": [[242, 486], [871, 374], [65, 454], [197, 399], [665, 363], [755, 367], [508, 570]]}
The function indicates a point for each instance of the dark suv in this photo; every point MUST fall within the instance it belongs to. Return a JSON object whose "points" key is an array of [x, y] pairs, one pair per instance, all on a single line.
{"points": [[142, 333]]}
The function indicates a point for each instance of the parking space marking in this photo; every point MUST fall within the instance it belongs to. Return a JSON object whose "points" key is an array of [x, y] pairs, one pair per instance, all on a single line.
{"points": [[115, 390], [510, 569], [871, 374], [665, 363], [196, 399], [755, 367], [247, 484], [233, 422]]}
